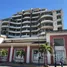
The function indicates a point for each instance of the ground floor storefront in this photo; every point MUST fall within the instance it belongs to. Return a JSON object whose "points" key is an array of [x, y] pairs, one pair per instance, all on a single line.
{"points": [[26, 50], [14, 54]]}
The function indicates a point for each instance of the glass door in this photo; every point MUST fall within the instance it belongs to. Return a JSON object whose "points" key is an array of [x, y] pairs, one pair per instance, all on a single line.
{"points": [[37, 57], [60, 56]]}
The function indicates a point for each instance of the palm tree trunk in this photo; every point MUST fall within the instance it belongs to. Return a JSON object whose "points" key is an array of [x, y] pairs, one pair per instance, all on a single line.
{"points": [[45, 62], [39, 58]]}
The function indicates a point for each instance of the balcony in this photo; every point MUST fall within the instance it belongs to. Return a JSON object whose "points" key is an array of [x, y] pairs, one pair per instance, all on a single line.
{"points": [[33, 35], [38, 24], [16, 15], [15, 22], [59, 14], [35, 30], [5, 26], [5, 21], [48, 21], [25, 36], [34, 26], [36, 12], [14, 27], [25, 26], [35, 16], [19, 19], [26, 13], [14, 31], [33, 21], [26, 17], [26, 22], [60, 25], [46, 16], [13, 36], [59, 19], [25, 31], [48, 27]]}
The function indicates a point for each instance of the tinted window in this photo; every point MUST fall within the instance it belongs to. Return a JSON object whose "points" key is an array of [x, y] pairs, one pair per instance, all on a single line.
{"points": [[59, 42]]}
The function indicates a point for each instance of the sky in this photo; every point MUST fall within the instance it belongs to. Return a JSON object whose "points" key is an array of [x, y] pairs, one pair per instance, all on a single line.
{"points": [[10, 7]]}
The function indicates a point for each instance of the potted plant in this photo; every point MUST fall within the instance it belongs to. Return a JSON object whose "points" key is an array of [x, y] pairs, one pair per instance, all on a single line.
{"points": [[3, 54], [20, 54]]}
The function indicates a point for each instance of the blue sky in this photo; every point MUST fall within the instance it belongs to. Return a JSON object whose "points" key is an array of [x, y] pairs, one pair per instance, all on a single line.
{"points": [[9, 7]]}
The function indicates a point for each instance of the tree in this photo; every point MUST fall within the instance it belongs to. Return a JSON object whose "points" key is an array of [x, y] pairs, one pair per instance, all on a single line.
{"points": [[44, 48]]}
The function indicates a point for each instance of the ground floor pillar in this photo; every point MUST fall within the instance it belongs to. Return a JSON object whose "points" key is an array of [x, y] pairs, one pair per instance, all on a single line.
{"points": [[48, 58], [11, 52], [28, 54]]}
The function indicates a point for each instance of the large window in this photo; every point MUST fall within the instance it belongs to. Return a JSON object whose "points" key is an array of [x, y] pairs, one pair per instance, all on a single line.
{"points": [[36, 55], [59, 42], [60, 56], [59, 22]]}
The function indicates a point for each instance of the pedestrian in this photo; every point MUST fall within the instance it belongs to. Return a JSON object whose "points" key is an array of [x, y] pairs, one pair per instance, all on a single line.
{"points": [[61, 63]]}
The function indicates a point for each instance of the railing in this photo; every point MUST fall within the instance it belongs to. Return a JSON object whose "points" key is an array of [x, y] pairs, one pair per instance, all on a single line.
{"points": [[48, 21], [26, 22], [15, 22], [25, 30], [46, 16], [16, 15], [14, 27]]}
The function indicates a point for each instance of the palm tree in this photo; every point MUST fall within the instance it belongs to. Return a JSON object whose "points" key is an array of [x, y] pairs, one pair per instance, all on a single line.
{"points": [[44, 48]]}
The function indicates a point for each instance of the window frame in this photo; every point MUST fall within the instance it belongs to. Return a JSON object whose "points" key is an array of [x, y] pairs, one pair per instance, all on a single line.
{"points": [[59, 38]]}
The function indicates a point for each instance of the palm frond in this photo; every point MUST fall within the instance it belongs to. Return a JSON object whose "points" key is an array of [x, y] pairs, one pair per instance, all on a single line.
{"points": [[45, 47]]}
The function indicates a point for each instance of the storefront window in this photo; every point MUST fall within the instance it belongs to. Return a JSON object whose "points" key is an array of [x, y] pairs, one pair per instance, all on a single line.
{"points": [[60, 56], [3, 54], [37, 56], [19, 55]]}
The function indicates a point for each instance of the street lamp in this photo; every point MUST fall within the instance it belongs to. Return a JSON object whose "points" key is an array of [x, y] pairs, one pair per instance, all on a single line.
{"points": [[54, 53]]}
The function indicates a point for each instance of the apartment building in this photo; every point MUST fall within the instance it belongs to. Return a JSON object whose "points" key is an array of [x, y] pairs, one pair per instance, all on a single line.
{"points": [[32, 23], [27, 30]]}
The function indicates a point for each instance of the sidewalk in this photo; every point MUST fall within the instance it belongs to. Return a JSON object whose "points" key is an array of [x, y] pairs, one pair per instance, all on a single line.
{"points": [[22, 65]]}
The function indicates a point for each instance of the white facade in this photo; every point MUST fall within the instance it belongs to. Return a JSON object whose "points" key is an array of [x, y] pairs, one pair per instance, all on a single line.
{"points": [[31, 23]]}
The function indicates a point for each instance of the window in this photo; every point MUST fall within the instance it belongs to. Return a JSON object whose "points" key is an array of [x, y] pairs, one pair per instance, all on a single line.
{"points": [[59, 28], [48, 18], [59, 17], [59, 11], [59, 42], [60, 56], [59, 22], [49, 29]]}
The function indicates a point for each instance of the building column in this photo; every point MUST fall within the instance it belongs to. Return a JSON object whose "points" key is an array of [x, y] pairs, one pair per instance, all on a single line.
{"points": [[11, 52], [48, 58], [28, 54]]}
